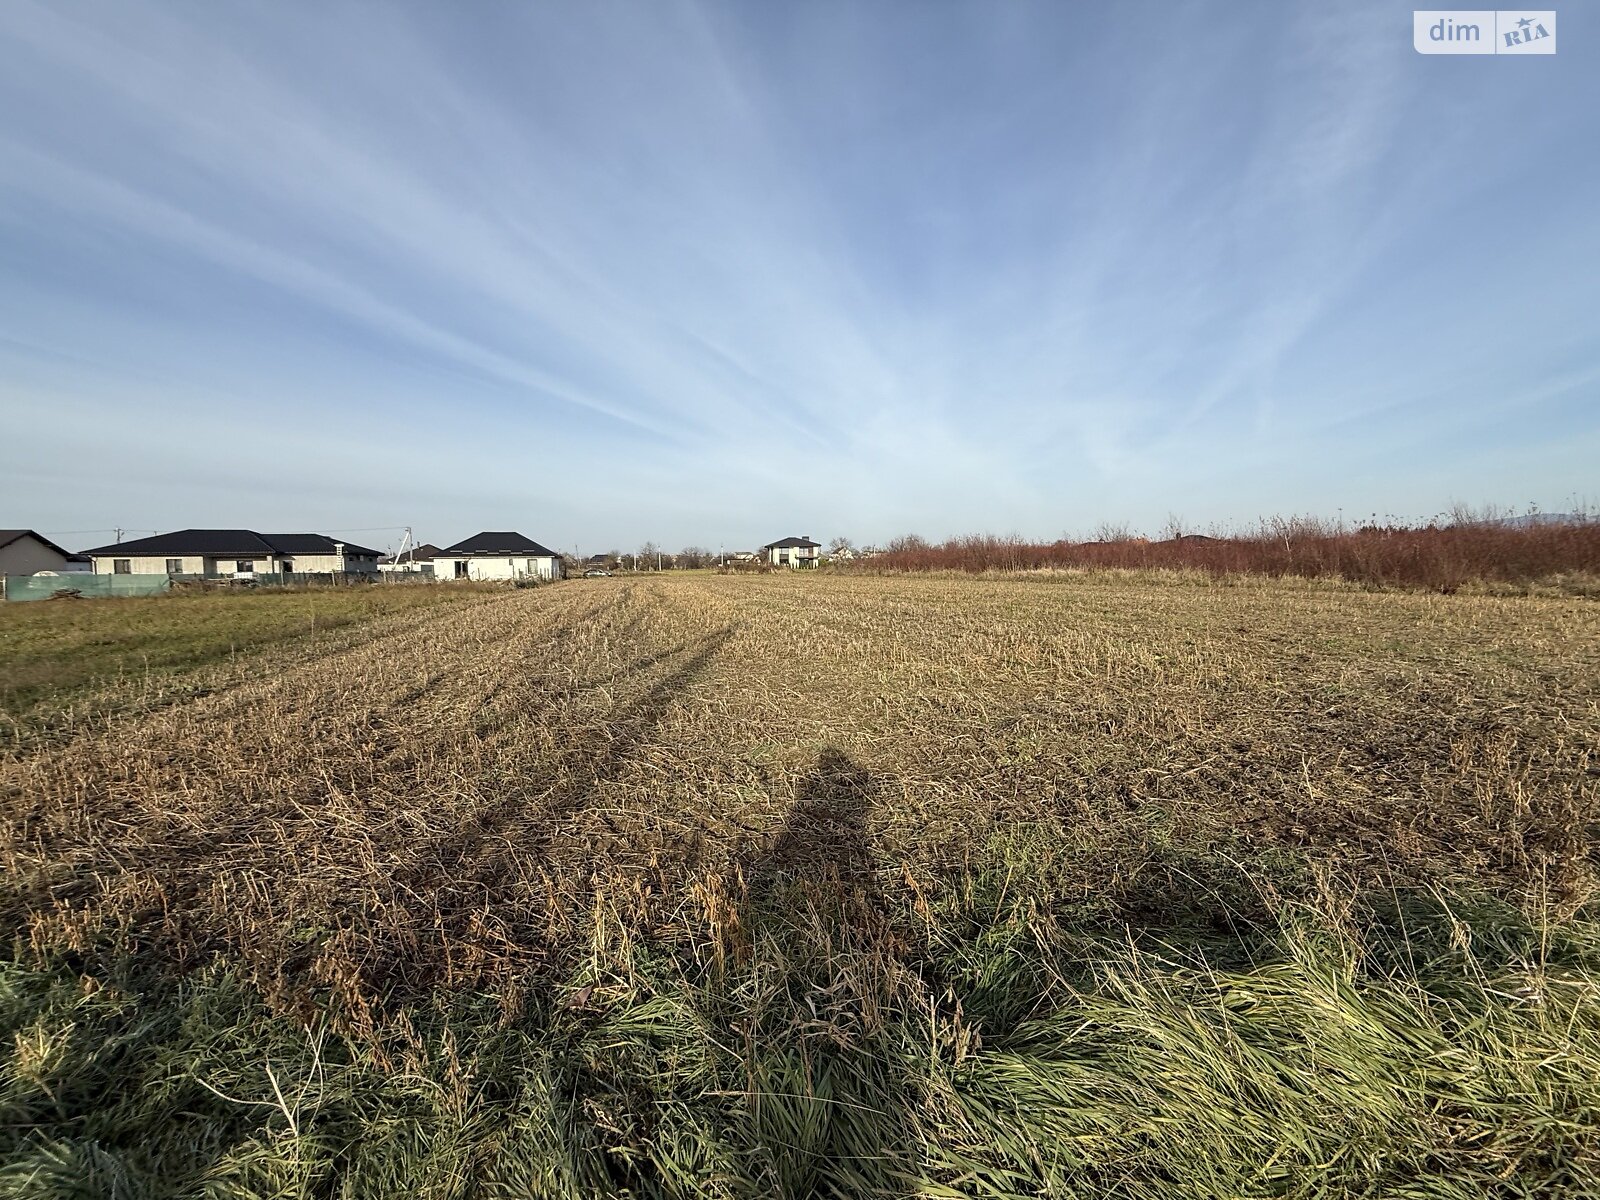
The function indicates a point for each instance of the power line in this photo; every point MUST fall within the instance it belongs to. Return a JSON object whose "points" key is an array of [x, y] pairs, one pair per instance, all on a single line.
{"points": [[75, 532], [125, 529]]}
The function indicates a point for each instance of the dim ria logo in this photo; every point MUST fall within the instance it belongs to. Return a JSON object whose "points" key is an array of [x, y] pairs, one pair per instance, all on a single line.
{"points": [[1461, 31]]}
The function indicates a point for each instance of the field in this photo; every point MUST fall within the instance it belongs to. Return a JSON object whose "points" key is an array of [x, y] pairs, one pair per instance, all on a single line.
{"points": [[54, 655], [1120, 884]]}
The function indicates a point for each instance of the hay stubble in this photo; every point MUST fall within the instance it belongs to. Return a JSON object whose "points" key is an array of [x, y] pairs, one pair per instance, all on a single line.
{"points": [[839, 811]]}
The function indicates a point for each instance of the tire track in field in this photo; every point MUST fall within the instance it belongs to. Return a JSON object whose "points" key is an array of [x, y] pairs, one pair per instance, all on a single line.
{"points": [[187, 747], [348, 794], [116, 703], [175, 785], [473, 903]]}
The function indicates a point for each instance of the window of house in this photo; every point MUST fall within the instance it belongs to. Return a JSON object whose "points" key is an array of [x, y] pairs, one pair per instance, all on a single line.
{"points": [[121, 566], [174, 566], [288, 566], [244, 567], [461, 570]]}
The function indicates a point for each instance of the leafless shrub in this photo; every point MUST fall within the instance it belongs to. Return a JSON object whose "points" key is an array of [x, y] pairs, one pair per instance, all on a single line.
{"points": [[1442, 556]]}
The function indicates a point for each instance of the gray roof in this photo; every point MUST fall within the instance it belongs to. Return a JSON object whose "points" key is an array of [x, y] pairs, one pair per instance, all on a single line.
{"points": [[419, 554], [501, 544], [226, 543], [312, 543], [791, 543]]}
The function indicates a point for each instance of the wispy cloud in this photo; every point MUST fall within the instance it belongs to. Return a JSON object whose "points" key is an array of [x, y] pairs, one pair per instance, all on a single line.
{"points": [[712, 272]]}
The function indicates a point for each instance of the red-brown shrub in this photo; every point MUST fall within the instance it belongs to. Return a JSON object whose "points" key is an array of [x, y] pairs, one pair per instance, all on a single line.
{"points": [[1435, 556]]}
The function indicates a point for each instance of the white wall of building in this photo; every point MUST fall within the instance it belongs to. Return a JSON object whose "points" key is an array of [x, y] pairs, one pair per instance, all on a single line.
{"points": [[792, 556], [322, 564], [194, 564], [495, 566]]}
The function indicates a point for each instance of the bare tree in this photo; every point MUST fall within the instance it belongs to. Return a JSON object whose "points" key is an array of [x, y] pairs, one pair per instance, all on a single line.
{"points": [[840, 545], [1109, 531]]}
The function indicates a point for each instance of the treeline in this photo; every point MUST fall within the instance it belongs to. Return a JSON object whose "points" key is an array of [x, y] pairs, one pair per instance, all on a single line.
{"points": [[1442, 555], [651, 557]]}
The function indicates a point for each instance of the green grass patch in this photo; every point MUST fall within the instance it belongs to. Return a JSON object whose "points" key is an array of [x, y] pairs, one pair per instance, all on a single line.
{"points": [[1442, 1051]]}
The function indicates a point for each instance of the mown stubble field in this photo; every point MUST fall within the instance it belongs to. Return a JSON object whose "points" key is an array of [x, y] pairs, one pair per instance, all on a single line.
{"points": [[727, 885]]}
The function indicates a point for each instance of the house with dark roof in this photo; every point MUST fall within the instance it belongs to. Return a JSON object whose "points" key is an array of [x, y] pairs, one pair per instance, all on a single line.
{"points": [[24, 552], [236, 553], [497, 556], [792, 552]]}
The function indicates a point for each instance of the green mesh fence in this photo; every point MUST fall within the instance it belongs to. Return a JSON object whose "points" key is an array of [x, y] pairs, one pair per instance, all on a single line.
{"points": [[42, 587]]}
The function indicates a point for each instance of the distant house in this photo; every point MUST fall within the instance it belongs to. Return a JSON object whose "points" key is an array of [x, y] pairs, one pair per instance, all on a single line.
{"points": [[417, 558], [497, 556], [24, 552], [235, 553], [792, 552]]}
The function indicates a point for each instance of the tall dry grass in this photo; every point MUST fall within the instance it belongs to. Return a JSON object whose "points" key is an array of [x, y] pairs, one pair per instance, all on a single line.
{"points": [[1440, 557]]}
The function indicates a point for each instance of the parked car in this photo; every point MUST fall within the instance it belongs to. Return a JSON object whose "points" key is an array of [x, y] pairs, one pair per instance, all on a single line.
{"points": [[597, 573]]}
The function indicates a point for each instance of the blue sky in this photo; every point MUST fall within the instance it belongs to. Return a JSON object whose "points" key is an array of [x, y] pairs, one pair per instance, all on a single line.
{"points": [[714, 274]]}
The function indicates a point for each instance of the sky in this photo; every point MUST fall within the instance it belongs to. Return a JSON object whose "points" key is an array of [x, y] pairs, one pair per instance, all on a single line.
{"points": [[715, 274]]}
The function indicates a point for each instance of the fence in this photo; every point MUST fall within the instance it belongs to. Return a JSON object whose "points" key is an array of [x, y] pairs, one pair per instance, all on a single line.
{"points": [[93, 586], [42, 587]]}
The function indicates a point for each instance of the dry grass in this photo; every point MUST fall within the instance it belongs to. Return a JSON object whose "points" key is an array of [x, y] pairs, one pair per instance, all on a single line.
{"points": [[129, 652], [829, 885]]}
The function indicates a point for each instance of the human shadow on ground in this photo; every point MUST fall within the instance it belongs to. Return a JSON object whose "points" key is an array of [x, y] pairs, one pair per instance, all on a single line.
{"points": [[829, 1105], [823, 839]]}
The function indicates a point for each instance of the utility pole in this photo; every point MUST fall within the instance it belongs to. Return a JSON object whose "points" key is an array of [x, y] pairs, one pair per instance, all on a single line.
{"points": [[119, 537]]}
